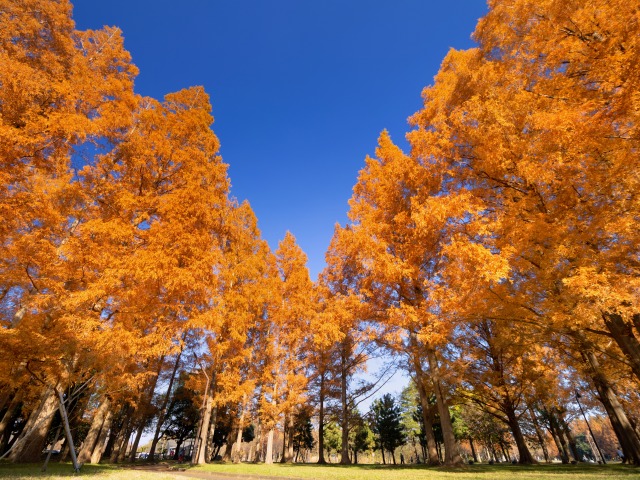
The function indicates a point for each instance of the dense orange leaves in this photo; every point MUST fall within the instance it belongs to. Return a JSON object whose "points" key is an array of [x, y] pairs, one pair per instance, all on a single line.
{"points": [[519, 198], [103, 269]]}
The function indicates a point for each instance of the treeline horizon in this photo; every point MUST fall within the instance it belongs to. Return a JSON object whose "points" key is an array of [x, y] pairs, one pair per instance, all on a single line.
{"points": [[497, 261]]}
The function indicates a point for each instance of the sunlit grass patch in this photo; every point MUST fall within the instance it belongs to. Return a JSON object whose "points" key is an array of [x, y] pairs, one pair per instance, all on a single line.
{"points": [[410, 472]]}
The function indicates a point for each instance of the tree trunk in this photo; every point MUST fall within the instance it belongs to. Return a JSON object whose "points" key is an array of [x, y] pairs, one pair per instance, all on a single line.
{"points": [[139, 430], [120, 449], [237, 447], [28, 447], [321, 459], [427, 417], [505, 454], [8, 420], [555, 433], [570, 438], [622, 333], [541, 441], [231, 441], [176, 453], [216, 451], [289, 450], [344, 410], [210, 433], [117, 426], [65, 422], [6, 396], [384, 462], [101, 444], [451, 454], [473, 450], [199, 456], [269, 454], [626, 434], [524, 454], [268, 457], [145, 402], [555, 424], [285, 431], [492, 450], [255, 450], [202, 437], [163, 408], [55, 440], [90, 441]]}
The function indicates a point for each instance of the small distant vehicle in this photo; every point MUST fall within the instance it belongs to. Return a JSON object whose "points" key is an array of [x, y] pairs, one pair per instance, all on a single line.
{"points": [[142, 455]]}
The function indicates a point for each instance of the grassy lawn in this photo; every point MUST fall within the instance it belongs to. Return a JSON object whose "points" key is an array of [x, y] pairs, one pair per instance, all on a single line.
{"points": [[334, 472], [57, 471], [383, 472]]}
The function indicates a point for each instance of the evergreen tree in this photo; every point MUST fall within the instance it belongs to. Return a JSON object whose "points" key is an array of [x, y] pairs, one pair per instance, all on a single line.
{"points": [[332, 438], [362, 438], [302, 432], [387, 424]]}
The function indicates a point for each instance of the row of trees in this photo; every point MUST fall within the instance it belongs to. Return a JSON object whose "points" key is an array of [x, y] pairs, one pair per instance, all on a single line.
{"points": [[496, 261]]}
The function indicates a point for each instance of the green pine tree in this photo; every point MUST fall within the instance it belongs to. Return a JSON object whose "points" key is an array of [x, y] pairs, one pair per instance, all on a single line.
{"points": [[387, 425]]}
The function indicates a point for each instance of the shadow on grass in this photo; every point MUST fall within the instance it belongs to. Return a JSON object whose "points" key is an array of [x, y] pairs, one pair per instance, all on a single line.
{"points": [[11, 470]]}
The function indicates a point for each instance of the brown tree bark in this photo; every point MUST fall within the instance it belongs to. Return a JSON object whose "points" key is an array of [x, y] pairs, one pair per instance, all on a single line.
{"points": [[536, 426], [145, 402], [524, 455], [90, 441], [28, 447], [344, 407], [622, 332], [557, 435], [427, 414], [163, 408], [202, 436], [99, 449], [626, 434], [321, 459], [473, 450], [451, 454], [7, 421], [268, 456]]}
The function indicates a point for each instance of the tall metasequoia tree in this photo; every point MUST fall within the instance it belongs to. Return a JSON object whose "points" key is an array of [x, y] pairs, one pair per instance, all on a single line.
{"points": [[238, 326], [539, 124], [323, 361], [501, 363], [354, 340], [161, 196], [284, 376], [244, 299], [62, 89], [399, 227]]}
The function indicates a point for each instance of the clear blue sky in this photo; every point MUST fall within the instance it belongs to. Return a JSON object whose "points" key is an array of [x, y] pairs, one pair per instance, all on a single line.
{"points": [[300, 89]]}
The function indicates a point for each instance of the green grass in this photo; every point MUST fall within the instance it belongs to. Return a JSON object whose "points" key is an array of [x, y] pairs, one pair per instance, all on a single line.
{"points": [[411, 472], [58, 471]]}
